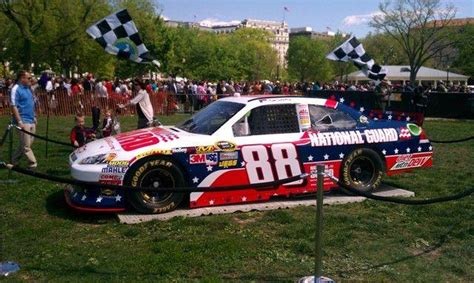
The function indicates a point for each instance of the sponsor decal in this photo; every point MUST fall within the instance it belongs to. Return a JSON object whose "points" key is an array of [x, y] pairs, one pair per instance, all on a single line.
{"points": [[119, 163], [111, 157], [114, 170], [110, 179], [404, 134], [353, 137], [179, 150], [155, 152], [143, 138], [203, 158], [303, 116], [116, 167], [328, 169], [408, 161], [414, 129], [225, 146], [232, 155], [228, 163], [205, 149]]}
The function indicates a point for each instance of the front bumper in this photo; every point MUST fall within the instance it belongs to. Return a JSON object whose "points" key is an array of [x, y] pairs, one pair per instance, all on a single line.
{"points": [[94, 200]]}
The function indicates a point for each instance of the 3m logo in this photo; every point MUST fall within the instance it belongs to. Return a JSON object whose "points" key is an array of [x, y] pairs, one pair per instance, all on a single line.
{"points": [[197, 158], [209, 158]]}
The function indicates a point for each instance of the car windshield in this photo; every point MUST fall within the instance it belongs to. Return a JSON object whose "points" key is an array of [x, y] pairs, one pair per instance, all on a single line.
{"points": [[211, 118]]}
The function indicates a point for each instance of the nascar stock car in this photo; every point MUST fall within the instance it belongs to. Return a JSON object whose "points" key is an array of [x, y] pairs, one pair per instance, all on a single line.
{"points": [[244, 141]]}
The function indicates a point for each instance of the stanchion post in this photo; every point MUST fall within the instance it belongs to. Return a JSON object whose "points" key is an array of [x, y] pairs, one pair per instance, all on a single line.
{"points": [[319, 223], [318, 239]]}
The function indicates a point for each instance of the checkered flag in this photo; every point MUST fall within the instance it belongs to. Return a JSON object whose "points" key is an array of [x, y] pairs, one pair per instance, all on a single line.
{"points": [[118, 35], [352, 50]]}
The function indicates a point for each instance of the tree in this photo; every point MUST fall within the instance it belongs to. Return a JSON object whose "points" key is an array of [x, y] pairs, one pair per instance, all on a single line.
{"points": [[307, 60], [419, 27], [384, 49], [464, 61]]}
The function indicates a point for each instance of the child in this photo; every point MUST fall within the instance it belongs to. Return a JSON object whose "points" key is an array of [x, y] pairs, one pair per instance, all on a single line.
{"points": [[107, 124], [116, 123], [79, 134]]}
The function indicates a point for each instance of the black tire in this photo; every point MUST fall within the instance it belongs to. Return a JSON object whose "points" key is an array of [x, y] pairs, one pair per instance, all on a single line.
{"points": [[362, 169], [155, 173]]}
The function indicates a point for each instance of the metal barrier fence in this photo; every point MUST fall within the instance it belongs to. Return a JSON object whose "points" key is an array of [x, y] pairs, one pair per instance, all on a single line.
{"points": [[60, 103]]}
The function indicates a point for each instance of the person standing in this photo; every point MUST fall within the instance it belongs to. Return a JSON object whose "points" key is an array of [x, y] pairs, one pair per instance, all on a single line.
{"points": [[143, 104], [23, 109]]}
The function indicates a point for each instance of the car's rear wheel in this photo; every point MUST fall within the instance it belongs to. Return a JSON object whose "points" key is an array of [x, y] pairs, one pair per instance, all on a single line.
{"points": [[362, 170], [156, 174]]}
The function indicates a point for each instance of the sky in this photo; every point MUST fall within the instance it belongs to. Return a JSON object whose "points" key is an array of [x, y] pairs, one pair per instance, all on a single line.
{"points": [[350, 16]]}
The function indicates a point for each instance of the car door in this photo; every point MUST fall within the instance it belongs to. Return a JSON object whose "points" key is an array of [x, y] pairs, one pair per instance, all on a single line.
{"points": [[267, 137]]}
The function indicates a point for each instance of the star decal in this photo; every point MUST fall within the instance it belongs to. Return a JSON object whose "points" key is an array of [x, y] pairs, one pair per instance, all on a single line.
{"points": [[396, 151], [408, 149], [118, 198], [310, 158], [195, 180], [362, 109], [376, 119], [326, 156], [242, 163], [244, 198], [209, 168], [341, 100], [430, 148], [211, 202], [84, 197], [408, 119], [389, 117], [419, 148], [384, 152], [341, 155], [99, 199]]}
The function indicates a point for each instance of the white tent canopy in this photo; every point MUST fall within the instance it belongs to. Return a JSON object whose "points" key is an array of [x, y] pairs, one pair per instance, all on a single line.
{"points": [[402, 73]]}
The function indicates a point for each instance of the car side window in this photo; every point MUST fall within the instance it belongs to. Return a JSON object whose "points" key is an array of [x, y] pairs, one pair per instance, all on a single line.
{"points": [[323, 118], [267, 120]]}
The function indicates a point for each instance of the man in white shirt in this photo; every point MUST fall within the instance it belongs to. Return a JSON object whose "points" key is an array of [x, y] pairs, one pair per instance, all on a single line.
{"points": [[143, 104]]}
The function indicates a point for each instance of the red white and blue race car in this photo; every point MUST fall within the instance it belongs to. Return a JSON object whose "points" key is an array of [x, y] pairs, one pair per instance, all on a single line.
{"points": [[245, 140]]}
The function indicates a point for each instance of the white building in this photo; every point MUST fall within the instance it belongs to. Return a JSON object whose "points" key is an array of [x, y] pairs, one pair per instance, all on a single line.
{"points": [[280, 31], [281, 40]]}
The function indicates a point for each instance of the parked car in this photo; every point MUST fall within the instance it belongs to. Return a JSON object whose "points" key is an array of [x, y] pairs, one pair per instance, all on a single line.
{"points": [[243, 141]]}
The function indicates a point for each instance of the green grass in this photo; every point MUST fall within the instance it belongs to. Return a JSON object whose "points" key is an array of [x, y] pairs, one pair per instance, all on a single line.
{"points": [[370, 241]]}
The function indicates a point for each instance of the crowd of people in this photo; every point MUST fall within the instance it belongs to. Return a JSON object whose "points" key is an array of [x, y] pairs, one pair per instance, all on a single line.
{"points": [[104, 87]]}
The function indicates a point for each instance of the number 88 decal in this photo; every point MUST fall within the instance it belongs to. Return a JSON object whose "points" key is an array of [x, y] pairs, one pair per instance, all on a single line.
{"points": [[259, 167]]}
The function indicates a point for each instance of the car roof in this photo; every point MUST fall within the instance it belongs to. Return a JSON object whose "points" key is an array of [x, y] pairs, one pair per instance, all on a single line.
{"points": [[248, 98]]}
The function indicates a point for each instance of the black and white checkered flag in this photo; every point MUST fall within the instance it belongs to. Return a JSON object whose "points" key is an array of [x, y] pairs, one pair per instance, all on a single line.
{"points": [[118, 35], [352, 50]]}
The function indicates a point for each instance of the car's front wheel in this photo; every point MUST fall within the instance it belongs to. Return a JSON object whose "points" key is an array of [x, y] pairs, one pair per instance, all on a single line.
{"points": [[156, 174], [362, 169]]}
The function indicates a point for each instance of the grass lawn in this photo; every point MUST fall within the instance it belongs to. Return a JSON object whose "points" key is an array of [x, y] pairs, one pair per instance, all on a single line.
{"points": [[370, 241]]}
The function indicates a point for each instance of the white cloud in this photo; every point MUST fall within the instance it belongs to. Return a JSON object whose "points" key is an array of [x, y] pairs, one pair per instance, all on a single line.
{"points": [[357, 20], [210, 22]]}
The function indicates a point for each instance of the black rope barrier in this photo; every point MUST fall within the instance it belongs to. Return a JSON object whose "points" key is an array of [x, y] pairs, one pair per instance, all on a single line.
{"points": [[42, 138], [349, 190], [5, 135], [453, 141], [168, 190]]}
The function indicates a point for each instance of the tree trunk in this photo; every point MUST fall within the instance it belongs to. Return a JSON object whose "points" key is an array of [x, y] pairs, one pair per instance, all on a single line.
{"points": [[27, 57]]}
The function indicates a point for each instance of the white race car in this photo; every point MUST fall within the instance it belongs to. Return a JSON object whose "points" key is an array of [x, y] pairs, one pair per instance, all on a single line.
{"points": [[243, 141]]}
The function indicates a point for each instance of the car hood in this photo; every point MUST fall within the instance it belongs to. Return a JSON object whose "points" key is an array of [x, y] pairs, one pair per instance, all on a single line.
{"points": [[128, 145]]}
